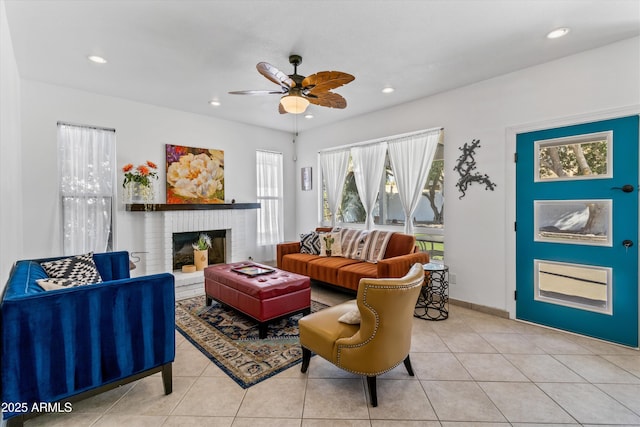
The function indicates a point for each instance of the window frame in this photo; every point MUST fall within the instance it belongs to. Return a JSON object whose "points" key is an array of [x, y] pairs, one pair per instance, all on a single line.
{"points": [[423, 228], [538, 145], [79, 195], [279, 198]]}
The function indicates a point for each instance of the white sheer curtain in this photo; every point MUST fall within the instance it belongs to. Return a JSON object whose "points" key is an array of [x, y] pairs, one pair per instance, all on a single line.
{"points": [[411, 159], [86, 159], [334, 171], [270, 188], [368, 165]]}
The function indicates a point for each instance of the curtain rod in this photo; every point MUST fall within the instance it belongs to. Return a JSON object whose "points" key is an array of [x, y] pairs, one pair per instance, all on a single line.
{"points": [[269, 151], [85, 126], [378, 140]]}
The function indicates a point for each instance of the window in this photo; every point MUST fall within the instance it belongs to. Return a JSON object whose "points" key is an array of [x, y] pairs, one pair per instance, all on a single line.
{"points": [[86, 157], [576, 157], [351, 209], [388, 210], [577, 222], [581, 286], [427, 219], [270, 188]]}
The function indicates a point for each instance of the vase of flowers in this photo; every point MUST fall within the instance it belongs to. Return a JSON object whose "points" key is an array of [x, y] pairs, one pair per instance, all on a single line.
{"points": [[138, 182], [201, 251]]}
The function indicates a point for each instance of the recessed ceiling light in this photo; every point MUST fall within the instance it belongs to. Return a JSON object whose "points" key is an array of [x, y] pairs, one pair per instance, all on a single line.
{"points": [[308, 116], [557, 33], [388, 89], [97, 59], [214, 102]]}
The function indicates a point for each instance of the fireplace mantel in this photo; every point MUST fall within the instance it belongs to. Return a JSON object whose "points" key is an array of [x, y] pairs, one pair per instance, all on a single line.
{"points": [[161, 207]]}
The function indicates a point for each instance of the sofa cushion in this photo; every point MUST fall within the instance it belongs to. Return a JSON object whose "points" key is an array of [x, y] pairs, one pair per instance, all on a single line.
{"points": [[349, 276], [400, 244], [330, 244], [375, 245], [81, 268], [326, 269], [353, 242], [310, 243], [297, 263], [323, 338]]}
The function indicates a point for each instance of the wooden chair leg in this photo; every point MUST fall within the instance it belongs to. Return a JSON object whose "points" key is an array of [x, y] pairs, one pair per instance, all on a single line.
{"points": [[407, 364], [306, 358], [167, 378], [373, 391]]}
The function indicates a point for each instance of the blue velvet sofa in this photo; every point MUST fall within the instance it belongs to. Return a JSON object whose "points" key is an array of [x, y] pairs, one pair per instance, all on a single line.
{"points": [[65, 345]]}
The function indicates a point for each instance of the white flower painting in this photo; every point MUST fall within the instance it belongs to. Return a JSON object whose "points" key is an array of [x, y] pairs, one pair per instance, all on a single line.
{"points": [[194, 175]]}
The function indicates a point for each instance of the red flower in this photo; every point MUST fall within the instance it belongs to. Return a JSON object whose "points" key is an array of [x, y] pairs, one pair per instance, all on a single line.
{"points": [[127, 167], [151, 164], [144, 170]]}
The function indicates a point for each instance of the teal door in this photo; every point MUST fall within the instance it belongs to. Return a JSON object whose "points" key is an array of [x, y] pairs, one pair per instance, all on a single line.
{"points": [[577, 229]]}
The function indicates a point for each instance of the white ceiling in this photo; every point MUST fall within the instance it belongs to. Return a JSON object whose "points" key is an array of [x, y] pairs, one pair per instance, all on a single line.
{"points": [[181, 54]]}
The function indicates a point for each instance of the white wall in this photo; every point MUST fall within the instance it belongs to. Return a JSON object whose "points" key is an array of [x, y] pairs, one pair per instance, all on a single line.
{"points": [[11, 242], [141, 133], [476, 227]]}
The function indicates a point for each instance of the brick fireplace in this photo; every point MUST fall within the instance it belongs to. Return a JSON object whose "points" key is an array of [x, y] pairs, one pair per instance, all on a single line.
{"points": [[159, 228], [182, 249]]}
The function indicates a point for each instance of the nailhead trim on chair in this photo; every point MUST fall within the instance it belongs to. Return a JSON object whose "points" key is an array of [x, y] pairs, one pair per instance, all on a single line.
{"points": [[408, 286]]}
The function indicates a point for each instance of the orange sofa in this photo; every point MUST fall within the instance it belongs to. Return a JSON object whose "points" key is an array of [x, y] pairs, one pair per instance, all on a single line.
{"points": [[401, 253]]}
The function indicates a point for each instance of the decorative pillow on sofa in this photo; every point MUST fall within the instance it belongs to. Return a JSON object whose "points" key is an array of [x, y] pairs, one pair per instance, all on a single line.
{"points": [[353, 242], [51, 284], [375, 245], [350, 317], [80, 268], [310, 243], [330, 244]]}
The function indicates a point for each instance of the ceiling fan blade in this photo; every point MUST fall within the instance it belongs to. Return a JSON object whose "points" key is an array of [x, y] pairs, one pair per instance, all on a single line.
{"points": [[324, 81], [275, 75], [328, 99], [258, 92]]}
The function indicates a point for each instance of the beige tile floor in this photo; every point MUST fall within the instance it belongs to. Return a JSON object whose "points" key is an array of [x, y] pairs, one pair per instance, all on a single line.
{"points": [[471, 369]]}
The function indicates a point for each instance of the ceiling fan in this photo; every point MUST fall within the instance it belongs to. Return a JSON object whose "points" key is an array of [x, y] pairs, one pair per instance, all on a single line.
{"points": [[299, 91]]}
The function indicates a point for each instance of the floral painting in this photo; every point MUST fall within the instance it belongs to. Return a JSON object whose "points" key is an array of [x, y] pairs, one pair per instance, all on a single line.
{"points": [[194, 175]]}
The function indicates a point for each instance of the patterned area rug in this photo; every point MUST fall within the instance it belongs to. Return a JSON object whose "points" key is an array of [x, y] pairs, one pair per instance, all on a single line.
{"points": [[230, 340]]}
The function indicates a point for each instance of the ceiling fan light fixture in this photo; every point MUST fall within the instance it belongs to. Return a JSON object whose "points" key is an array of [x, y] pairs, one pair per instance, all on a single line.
{"points": [[294, 104], [297, 92]]}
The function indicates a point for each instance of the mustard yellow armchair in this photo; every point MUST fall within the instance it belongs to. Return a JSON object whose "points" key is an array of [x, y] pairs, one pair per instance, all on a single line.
{"points": [[382, 339]]}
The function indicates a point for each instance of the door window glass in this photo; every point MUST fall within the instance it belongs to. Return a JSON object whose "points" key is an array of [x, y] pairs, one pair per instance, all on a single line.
{"points": [[579, 222], [576, 157], [573, 285]]}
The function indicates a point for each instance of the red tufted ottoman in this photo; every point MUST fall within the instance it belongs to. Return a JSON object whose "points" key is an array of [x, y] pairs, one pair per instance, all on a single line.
{"points": [[264, 297]]}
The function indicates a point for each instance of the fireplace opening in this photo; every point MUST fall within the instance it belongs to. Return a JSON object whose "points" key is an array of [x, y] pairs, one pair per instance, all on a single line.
{"points": [[183, 251]]}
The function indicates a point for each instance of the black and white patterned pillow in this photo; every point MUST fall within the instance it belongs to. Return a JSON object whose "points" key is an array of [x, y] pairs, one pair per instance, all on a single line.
{"points": [[80, 268], [52, 284], [310, 243]]}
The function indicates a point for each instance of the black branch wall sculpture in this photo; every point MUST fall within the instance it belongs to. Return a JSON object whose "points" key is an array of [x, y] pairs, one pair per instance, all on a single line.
{"points": [[465, 167]]}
